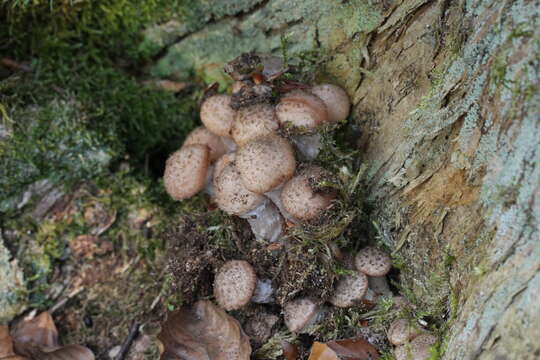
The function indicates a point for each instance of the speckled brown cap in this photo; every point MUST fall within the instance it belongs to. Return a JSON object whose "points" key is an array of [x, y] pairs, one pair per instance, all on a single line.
{"points": [[186, 171], [217, 115], [265, 163], [418, 349], [231, 194], [252, 122], [301, 109], [300, 313], [203, 136], [402, 331], [299, 198], [336, 100], [234, 284], [349, 290], [372, 261]]}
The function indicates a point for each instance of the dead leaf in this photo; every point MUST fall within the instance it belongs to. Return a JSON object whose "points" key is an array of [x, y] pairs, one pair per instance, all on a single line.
{"points": [[290, 351], [347, 349], [37, 338], [6, 344], [203, 332]]}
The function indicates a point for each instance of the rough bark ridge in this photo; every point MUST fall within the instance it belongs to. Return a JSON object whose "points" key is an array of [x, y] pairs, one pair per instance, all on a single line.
{"points": [[447, 102]]}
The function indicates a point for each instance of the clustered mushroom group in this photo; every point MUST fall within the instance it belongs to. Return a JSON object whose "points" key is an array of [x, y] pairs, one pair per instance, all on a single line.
{"points": [[252, 153]]}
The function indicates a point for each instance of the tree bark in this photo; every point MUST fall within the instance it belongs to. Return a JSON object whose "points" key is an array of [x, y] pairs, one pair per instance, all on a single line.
{"points": [[446, 99]]}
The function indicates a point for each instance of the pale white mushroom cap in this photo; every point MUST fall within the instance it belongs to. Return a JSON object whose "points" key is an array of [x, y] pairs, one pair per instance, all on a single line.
{"points": [[217, 115], [252, 122], [231, 194], [300, 313], [301, 109], [372, 261], [234, 284], [186, 171], [299, 198], [203, 136], [265, 163], [349, 290], [336, 100]]}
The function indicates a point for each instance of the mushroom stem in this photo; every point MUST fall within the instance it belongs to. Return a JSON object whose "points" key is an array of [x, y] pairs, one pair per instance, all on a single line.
{"points": [[230, 145], [209, 186], [275, 196], [265, 221], [308, 145], [264, 292], [379, 285]]}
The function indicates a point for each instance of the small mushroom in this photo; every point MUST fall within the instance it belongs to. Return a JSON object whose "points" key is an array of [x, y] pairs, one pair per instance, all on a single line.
{"points": [[301, 109], [203, 136], [186, 171], [265, 163], [252, 122], [300, 314], [336, 100], [234, 284], [402, 331], [372, 261], [300, 197], [217, 115], [232, 197], [349, 290], [418, 349]]}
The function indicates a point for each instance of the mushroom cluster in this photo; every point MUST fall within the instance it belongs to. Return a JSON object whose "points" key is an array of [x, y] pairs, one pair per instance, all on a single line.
{"points": [[236, 284], [410, 341], [246, 155]]}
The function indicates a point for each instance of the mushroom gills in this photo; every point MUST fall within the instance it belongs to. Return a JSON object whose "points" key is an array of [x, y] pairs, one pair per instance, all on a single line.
{"points": [[266, 222]]}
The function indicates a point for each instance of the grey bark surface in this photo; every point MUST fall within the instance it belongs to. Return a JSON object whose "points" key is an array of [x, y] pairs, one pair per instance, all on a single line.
{"points": [[447, 102]]}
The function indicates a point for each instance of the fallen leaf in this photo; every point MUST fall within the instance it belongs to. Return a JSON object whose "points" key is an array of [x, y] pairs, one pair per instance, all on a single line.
{"points": [[6, 344], [37, 338], [290, 351], [320, 351], [347, 349], [203, 332]]}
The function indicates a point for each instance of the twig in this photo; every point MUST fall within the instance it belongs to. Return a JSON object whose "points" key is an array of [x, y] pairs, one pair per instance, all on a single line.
{"points": [[133, 332], [14, 65]]}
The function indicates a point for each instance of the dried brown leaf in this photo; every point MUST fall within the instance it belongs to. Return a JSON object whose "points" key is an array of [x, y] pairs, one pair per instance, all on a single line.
{"points": [[201, 332], [347, 349], [290, 351]]}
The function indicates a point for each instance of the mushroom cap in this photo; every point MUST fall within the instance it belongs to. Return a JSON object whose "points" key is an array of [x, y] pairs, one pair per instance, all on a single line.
{"points": [[300, 313], [301, 109], [222, 162], [418, 349], [401, 331], [299, 198], [349, 290], [336, 100], [252, 122], [231, 194], [217, 114], [186, 171], [203, 136], [234, 284], [265, 163], [372, 261]]}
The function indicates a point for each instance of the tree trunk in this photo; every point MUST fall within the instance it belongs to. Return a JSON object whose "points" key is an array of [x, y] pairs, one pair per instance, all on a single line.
{"points": [[448, 110]]}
